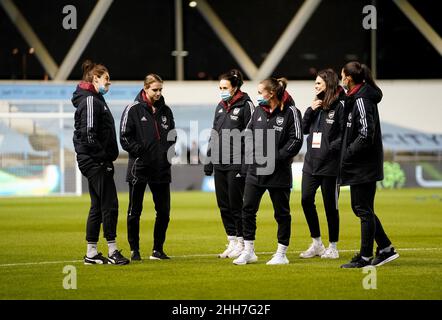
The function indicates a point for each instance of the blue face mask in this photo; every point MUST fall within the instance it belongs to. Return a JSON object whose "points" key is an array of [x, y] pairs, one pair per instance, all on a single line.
{"points": [[102, 90], [262, 101], [225, 95]]}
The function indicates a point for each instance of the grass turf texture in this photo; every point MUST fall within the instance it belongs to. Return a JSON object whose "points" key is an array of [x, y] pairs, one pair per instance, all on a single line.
{"points": [[45, 230]]}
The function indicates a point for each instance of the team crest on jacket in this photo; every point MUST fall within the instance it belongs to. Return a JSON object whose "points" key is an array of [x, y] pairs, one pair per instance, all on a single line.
{"points": [[164, 121], [279, 120], [235, 111], [331, 115]]}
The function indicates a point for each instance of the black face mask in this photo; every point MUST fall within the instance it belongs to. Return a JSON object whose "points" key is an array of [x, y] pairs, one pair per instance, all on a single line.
{"points": [[321, 95]]}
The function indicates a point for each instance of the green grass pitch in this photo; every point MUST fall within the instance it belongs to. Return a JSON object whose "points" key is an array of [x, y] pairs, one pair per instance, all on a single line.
{"points": [[40, 236]]}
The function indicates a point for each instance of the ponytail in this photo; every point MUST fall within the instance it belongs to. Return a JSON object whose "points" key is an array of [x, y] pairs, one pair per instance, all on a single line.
{"points": [[235, 78], [368, 78], [360, 73]]}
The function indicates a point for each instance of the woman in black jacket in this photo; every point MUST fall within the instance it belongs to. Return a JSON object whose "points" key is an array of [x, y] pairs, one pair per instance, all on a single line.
{"points": [[273, 138], [362, 162], [144, 134], [232, 115], [324, 124], [96, 146]]}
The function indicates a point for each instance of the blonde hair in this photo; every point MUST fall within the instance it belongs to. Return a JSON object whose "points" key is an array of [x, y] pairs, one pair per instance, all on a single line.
{"points": [[151, 78]]}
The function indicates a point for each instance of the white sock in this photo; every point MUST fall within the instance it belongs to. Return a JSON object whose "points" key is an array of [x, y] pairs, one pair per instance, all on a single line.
{"points": [[112, 246], [231, 238], [282, 249], [249, 246], [334, 245], [317, 241], [387, 249], [91, 249], [240, 243]]}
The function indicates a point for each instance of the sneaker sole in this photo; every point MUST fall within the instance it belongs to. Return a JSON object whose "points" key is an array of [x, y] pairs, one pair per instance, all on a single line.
{"points": [[119, 263], [90, 263], [247, 262], [393, 257], [309, 257], [276, 264], [155, 258]]}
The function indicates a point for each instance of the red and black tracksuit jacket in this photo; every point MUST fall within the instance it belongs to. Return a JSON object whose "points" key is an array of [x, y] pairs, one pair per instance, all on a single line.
{"points": [[143, 134]]}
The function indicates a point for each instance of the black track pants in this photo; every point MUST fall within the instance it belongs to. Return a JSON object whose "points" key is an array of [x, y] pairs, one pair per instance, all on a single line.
{"points": [[161, 199], [104, 205], [281, 205], [229, 195], [362, 203]]}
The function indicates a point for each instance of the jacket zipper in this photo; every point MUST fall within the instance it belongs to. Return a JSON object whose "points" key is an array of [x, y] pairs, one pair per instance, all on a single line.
{"points": [[156, 129]]}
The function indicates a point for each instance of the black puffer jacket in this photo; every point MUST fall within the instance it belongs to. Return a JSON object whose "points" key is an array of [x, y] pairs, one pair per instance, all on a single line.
{"points": [[286, 124], [330, 123], [229, 120], [144, 135], [362, 151], [95, 139]]}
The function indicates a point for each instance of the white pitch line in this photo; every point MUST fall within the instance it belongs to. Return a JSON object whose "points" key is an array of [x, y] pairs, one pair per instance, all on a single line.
{"points": [[192, 256]]}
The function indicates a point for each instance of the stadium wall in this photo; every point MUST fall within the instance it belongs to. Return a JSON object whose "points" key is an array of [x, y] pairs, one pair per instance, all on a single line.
{"points": [[410, 104]]}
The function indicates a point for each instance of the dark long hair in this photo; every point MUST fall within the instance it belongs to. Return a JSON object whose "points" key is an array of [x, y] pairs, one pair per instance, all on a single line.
{"points": [[331, 80], [360, 73]]}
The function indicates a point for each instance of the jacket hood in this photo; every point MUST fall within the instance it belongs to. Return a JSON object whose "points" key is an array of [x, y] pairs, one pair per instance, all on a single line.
{"points": [[244, 97], [83, 90], [287, 100], [368, 92], [141, 97]]}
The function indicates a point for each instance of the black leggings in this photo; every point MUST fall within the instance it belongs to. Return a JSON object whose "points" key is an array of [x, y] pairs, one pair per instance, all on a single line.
{"points": [[330, 192]]}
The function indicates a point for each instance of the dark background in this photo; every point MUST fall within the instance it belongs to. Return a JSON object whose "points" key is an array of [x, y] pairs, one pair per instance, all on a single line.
{"points": [[138, 37]]}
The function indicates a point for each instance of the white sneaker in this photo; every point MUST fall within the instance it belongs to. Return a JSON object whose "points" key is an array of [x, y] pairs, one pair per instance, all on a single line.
{"points": [[239, 247], [229, 249], [245, 257], [330, 253], [278, 258], [313, 250]]}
